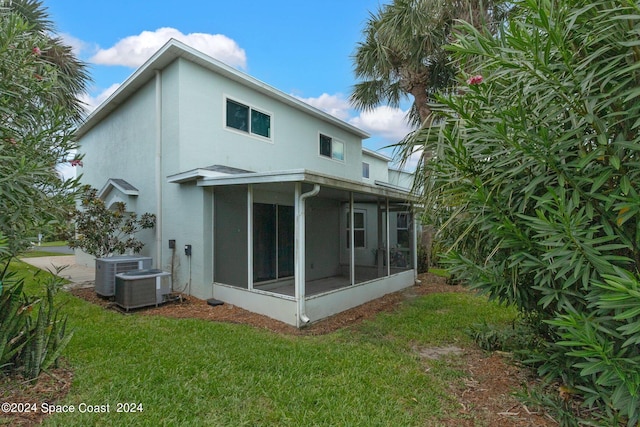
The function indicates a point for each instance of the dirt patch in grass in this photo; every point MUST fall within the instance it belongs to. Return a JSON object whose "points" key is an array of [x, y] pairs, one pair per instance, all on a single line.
{"points": [[485, 397], [50, 388]]}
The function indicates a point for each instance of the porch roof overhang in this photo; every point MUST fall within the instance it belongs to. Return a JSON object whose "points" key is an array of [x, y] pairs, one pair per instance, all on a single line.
{"points": [[365, 192], [202, 173]]}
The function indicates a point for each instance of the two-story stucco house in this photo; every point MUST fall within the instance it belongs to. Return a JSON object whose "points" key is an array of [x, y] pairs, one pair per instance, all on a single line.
{"points": [[283, 211]]}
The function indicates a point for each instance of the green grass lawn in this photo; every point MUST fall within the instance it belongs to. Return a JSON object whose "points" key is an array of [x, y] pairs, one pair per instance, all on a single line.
{"points": [[200, 373], [41, 250], [55, 243]]}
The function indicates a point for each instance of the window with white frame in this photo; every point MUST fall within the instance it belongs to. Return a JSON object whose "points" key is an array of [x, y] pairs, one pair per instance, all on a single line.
{"points": [[331, 148], [365, 170], [359, 230], [402, 230], [247, 119]]}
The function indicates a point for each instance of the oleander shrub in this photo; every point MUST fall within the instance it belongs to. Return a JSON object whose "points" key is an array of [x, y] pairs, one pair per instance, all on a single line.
{"points": [[535, 164]]}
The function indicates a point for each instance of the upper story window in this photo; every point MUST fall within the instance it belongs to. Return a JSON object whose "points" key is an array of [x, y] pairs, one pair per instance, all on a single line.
{"points": [[331, 148], [365, 170], [246, 119]]}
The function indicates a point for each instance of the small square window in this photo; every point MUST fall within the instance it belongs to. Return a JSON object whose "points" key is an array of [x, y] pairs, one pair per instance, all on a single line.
{"points": [[237, 116], [331, 148]]}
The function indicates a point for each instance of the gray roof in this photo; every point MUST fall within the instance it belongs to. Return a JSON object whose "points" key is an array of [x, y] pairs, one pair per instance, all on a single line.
{"points": [[119, 184], [226, 169]]}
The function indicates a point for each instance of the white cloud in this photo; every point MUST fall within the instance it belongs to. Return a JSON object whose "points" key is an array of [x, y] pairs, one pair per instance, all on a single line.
{"points": [[384, 121], [78, 47], [133, 51], [336, 105], [386, 125]]}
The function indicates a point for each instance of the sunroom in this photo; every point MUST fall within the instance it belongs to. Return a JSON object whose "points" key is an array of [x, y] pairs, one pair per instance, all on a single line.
{"points": [[284, 245]]}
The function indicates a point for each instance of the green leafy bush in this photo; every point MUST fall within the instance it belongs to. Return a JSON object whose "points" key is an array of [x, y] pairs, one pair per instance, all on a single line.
{"points": [[536, 169], [103, 231]]}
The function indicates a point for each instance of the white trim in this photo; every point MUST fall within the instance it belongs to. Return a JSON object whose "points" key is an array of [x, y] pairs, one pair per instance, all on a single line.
{"points": [[303, 175], [111, 183], [193, 175]]}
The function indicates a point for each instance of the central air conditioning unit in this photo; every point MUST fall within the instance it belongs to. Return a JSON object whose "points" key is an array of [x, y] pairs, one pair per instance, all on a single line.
{"points": [[142, 288], [107, 268]]}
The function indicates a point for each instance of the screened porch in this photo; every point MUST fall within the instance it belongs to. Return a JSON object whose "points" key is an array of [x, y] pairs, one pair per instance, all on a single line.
{"points": [[294, 239]]}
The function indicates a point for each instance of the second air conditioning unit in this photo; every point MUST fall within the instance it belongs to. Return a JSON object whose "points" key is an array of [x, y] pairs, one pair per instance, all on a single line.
{"points": [[142, 288]]}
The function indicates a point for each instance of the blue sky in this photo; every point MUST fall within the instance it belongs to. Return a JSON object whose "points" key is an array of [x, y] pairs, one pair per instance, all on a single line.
{"points": [[302, 48]]}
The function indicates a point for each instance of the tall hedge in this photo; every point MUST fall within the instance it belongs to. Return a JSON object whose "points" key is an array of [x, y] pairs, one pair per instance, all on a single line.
{"points": [[535, 172]]}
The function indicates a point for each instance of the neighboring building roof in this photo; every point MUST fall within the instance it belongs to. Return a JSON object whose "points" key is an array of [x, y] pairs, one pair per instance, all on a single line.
{"points": [[173, 50], [376, 154], [119, 184]]}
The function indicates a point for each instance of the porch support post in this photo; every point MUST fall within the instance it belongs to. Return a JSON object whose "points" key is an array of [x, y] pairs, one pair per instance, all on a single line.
{"points": [[414, 242], [352, 242], [299, 278], [379, 252], [250, 236], [388, 241]]}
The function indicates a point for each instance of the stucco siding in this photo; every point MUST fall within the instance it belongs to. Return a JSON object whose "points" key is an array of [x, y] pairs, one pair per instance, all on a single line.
{"points": [[124, 147], [294, 143], [378, 168]]}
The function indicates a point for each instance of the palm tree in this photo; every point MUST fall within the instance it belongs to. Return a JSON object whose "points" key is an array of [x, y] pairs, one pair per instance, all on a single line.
{"points": [[73, 76], [403, 53]]}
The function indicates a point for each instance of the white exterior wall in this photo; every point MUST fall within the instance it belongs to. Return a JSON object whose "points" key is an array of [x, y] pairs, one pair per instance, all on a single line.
{"points": [[124, 147], [200, 138], [378, 168], [205, 140]]}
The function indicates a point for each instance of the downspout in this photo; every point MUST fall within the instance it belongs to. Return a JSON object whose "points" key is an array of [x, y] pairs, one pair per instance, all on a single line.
{"points": [[158, 171], [300, 263]]}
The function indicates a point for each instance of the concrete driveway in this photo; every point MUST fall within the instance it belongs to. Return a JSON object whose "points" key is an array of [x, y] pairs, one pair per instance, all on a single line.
{"points": [[77, 274]]}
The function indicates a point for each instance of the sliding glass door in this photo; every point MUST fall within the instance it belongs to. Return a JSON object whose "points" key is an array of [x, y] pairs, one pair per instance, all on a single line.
{"points": [[273, 241]]}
